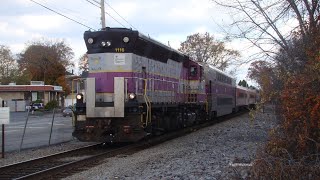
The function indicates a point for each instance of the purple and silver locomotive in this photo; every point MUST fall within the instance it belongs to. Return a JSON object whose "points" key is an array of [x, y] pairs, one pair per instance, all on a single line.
{"points": [[139, 87]]}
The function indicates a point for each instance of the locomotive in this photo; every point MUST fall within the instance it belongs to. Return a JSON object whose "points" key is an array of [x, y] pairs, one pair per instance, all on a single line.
{"points": [[138, 87]]}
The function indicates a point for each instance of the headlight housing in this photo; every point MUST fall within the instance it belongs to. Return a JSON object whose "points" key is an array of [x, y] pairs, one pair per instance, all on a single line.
{"points": [[90, 40], [79, 96], [132, 96], [125, 39]]}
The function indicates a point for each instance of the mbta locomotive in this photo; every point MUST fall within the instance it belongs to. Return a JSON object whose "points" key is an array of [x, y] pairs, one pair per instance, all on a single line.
{"points": [[138, 87]]}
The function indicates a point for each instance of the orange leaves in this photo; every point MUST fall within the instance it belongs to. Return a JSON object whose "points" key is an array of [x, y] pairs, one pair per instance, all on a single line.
{"points": [[46, 61], [62, 82], [301, 103]]}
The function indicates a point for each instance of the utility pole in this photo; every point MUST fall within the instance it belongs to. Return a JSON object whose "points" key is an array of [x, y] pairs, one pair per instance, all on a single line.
{"points": [[103, 15]]}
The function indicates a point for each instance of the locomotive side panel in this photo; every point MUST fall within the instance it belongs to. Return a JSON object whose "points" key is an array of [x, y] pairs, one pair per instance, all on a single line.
{"points": [[158, 80]]}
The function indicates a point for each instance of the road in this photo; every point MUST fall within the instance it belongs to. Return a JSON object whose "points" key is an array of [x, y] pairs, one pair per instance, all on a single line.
{"points": [[37, 130]]}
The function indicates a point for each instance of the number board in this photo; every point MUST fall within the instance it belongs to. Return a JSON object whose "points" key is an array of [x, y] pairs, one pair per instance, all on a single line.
{"points": [[4, 115], [119, 50]]}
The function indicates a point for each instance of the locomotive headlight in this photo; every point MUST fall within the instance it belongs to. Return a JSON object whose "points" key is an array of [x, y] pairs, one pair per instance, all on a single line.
{"points": [[126, 39], [79, 96], [105, 43], [90, 40], [132, 96]]}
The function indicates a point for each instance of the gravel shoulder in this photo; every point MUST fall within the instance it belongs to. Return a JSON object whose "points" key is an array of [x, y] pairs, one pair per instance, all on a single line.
{"points": [[222, 151]]}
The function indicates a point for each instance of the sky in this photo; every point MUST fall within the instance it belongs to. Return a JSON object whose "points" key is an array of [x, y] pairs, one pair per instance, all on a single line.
{"points": [[24, 21]]}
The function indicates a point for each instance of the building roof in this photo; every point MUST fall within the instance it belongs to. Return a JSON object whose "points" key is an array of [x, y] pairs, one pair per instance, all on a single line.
{"points": [[20, 88]]}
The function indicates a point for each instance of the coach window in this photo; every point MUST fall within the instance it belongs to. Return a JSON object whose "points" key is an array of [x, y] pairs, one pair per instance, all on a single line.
{"points": [[193, 71]]}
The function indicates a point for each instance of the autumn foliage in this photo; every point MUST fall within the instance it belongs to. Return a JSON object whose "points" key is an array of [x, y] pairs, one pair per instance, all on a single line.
{"points": [[47, 61], [293, 151]]}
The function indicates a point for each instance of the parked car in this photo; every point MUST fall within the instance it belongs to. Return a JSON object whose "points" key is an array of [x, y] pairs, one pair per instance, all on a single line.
{"points": [[37, 106], [67, 112]]}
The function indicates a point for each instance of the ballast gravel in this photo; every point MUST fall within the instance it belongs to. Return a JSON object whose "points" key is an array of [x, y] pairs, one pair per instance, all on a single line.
{"points": [[223, 151]]}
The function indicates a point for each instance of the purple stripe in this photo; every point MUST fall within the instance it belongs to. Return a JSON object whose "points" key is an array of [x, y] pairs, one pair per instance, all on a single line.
{"points": [[105, 82]]}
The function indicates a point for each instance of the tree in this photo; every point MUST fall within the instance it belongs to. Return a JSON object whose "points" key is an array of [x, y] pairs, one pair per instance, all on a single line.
{"points": [[8, 66], [204, 48], [47, 61], [83, 63], [262, 22], [289, 71], [243, 83]]}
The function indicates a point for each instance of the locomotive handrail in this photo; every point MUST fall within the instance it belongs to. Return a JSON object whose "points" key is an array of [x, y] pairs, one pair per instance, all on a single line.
{"points": [[148, 103], [126, 88]]}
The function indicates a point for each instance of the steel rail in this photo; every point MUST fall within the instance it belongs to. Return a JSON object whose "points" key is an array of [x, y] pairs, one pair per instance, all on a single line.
{"points": [[16, 170]]}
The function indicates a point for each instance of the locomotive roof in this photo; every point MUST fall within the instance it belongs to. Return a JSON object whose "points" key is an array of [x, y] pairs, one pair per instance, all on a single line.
{"points": [[132, 34], [141, 35]]}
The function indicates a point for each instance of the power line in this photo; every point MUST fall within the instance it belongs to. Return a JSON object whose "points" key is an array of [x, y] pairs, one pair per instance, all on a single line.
{"points": [[105, 12], [68, 12], [115, 19], [116, 13], [62, 14], [120, 16], [96, 1], [93, 3]]}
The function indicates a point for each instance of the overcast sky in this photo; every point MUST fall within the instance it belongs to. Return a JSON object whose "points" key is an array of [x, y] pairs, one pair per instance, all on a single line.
{"points": [[22, 21]]}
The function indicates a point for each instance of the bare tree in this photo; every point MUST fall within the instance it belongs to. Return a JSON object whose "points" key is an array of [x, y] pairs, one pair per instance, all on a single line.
{"points": [[204, 48], [265, 23], [288, 31], [83, 63]]}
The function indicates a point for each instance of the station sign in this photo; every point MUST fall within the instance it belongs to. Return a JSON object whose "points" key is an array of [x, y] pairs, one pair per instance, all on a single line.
{"points": [[57, 88], [4, 115]]}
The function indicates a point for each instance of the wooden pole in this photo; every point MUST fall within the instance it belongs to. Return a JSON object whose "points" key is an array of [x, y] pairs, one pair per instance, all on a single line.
{"points": [[2, 134], [2, 140], [103, 15]]}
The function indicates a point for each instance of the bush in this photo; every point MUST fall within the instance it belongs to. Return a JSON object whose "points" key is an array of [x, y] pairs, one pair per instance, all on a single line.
{"points": [[51, 105]]}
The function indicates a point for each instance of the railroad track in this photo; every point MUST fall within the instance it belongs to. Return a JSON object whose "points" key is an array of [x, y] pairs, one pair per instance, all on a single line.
{"points": [[65, 164], [25, 169]]}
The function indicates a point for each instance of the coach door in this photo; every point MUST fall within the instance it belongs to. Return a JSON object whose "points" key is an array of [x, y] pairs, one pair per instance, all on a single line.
{"points": [[209, 98]]}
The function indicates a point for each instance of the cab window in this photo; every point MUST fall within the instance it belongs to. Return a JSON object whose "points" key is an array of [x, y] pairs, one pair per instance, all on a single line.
{"points": [[193, 71]]}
